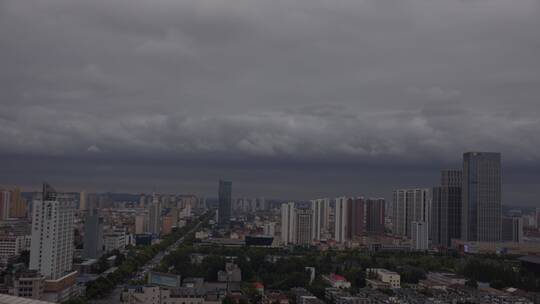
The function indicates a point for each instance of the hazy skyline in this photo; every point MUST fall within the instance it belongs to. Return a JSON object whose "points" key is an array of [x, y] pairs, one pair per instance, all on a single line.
{"points": [[287, 99]]}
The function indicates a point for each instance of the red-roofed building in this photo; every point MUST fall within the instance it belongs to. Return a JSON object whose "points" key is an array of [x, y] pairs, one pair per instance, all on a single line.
{"points": [[259, 286], [337, 281]]}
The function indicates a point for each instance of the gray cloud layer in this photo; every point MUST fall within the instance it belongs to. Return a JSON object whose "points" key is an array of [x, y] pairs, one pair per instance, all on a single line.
{"points": [[365, 81]]}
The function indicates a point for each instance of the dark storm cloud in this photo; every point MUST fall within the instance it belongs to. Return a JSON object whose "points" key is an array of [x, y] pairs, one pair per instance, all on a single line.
{"points": [[361, 83]]}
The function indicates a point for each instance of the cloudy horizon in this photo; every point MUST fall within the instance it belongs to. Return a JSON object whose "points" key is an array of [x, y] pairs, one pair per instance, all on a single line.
{"points": [[288, 99]]}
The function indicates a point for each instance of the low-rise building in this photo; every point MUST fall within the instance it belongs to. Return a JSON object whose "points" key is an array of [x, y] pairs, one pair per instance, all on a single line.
{"points": [[12, 245], [61, 289], [381, 275], [232, 273], [337, 281], [7, 299], [158, 295], [441, 280], [115, 241], [28, 284]]}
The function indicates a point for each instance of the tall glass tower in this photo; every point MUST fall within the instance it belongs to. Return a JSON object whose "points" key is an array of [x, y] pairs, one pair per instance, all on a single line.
{"points": [[224, 210], [481, 207]]}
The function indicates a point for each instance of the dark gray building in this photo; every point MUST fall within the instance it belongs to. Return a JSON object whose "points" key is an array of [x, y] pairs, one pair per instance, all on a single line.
{"points": [[225, 199], [375, 213], [93, 235], [303, 226], [512, 229], [446, 209], [481, 195]]}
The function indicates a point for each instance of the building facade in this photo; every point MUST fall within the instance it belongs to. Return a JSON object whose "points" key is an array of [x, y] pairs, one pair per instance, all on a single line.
{"points": [[375, 215], [340, 219], [419, 236], [225, 198], [52, 247], [287, 223], [446, 209], [512, 229], [93, 235], [154, 223], [303, 225], [410, 205], [321, 214], [481, 194]]}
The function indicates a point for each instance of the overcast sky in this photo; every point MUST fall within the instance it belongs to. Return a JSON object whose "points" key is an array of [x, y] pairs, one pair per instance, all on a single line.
{"points": [[289, 99]]}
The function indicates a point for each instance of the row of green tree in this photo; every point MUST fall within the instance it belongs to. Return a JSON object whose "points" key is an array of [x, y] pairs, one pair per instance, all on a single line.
{"points": [[136, 258], [500, 273], [289, 271]]}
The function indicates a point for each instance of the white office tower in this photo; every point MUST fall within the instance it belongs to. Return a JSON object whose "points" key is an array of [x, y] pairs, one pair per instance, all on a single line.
{"points": [[287, 223], [155, 216], [51, 251], [419, 235], [321, 218], [340, 234]]}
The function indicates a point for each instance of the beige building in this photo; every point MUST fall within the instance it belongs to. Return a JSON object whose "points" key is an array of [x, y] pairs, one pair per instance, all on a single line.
{"points": [[28, 285], [391, 278]]}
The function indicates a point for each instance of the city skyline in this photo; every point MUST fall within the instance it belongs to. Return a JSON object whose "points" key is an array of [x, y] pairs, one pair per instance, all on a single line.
{"points": [[263, 152], [267, 94], [429, 178]]}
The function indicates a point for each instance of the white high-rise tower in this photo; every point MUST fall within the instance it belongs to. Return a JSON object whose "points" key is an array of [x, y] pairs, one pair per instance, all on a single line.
{"points": [[52, 248], [155, 216], [320, 211], [287, 223], [340, 217]]}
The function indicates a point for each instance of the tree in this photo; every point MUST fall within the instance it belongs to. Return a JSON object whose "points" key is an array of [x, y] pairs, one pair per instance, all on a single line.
{"points": [[228, 300], [412, 275], [24, 257], [471, 283], [497, 284], [77, 300]]}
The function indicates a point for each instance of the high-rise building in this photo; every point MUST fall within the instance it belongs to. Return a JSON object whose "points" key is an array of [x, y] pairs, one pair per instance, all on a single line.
{"points": [[141, 223], [52, 247], [481, 195], [340, 219], [270, 228], [5, 203], [17, 208], [225, 198], [82, 201], [410, 205], [419, 235], [446, 209], [375, 214], [142, 200], [303, 226], [512, 229], [321, 211], [92, 201], [154, 225], [93, 235], [167, 224], [287, 223], [537, 217], [356, 218]]}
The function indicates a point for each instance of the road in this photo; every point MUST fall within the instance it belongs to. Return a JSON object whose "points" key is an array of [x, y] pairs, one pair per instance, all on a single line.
{"points": [[114, 296]]}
